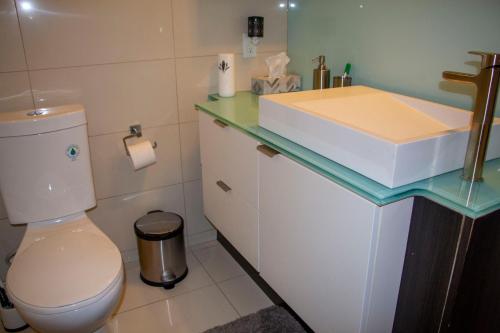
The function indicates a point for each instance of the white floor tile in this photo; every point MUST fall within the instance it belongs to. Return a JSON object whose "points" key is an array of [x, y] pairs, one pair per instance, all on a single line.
{"points": [[245, 295], [204, 245], [218, 263], [137, 293], [192, 312], [201, 238]]}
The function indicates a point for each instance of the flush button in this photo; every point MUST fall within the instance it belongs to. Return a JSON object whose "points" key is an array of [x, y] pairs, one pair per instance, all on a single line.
{"points": [[72, 152]]}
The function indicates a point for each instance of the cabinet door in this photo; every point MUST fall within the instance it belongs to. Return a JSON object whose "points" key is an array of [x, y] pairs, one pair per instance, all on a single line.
{"points": [[233, 217], [315, 244], [230, 183], [231, 155]]}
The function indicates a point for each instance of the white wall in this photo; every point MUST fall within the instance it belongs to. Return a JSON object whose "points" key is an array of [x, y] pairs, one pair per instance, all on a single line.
{"points": [[130, 62]]}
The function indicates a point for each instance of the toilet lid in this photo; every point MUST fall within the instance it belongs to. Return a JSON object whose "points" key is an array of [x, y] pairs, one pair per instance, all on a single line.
{"points": [[64, 269]]}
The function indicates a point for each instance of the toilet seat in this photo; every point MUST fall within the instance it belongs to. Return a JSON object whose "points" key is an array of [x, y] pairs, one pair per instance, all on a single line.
{"points": [[64, 266]]}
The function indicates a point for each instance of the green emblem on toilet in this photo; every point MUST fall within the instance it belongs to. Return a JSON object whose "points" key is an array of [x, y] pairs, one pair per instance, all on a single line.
{"points": [[72, 152]]}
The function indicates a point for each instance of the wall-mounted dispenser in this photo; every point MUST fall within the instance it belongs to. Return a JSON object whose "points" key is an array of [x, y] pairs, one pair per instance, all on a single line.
{"points": [[253, 37]]}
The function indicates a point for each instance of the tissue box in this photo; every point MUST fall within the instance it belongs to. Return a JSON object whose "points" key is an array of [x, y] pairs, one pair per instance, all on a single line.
{"points": [[263, 85]]}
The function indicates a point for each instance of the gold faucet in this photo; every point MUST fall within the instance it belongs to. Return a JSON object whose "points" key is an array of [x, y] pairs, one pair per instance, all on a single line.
{"points": [[487, 87]]}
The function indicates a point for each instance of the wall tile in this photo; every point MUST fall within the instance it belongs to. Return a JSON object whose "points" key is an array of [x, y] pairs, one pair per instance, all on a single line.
{"points": [[15, 92], [251, 67], [11, 52], [190, 151], [10, 237], [118, 62], [113, 172], [73, 33], [115, 96], [196, 221], [197, 78], [116, 216], [209, 27]]}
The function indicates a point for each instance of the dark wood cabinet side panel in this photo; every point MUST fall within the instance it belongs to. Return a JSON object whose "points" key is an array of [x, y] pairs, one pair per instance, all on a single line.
{"points": [[432, 240], [477, 308]]}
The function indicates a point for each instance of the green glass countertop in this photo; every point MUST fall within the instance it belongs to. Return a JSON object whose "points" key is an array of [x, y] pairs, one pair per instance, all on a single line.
{"points": [[470, 199]]}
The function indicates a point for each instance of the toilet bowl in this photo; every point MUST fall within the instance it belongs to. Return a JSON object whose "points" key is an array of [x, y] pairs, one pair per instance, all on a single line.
{"points": [[67, 275]]}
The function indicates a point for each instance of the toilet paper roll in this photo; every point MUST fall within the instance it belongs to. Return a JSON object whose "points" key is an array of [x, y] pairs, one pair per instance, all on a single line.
{"points": [[226, 75], [142, 154]]}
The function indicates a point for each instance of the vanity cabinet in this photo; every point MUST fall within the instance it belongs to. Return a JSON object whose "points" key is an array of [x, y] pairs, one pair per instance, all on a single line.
{"points": [[230, 184], [333, 256]]}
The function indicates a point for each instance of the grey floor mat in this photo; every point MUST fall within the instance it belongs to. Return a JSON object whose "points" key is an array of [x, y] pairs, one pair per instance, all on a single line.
{"points": [[274, 319]]}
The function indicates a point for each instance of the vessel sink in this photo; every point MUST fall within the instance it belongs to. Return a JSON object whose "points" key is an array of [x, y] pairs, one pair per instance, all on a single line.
{"points": [[390, 138]]}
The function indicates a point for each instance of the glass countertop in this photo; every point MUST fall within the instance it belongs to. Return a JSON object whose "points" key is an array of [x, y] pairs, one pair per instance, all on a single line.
{"points": [[470, 199]]}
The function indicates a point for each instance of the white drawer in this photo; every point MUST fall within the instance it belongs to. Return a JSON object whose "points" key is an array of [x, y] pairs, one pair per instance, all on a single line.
{"points": [[232, 216], [230, 155]]}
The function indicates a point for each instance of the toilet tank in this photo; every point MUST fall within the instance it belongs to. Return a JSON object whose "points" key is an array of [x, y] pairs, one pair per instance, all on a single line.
{"points": [[45, 170]]}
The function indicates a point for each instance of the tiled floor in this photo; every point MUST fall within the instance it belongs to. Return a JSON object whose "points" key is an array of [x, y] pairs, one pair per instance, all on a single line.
{"points": [[216, 291]]}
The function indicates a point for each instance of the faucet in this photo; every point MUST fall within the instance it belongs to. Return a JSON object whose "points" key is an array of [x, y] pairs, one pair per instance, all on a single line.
{"points": [[487, 87]]}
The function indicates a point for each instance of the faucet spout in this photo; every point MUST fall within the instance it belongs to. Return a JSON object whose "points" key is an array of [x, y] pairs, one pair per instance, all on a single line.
{"points": [[459, 77], [487, 82]]}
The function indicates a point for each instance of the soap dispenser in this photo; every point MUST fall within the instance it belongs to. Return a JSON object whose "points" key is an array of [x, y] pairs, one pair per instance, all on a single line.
{"points": [[321, 75]]}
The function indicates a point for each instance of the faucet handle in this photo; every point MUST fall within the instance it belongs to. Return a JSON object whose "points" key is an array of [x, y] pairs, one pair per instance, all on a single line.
{"points": [[488, 59]]}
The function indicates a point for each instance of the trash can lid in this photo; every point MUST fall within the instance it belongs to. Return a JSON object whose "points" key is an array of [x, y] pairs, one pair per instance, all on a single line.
{"points": [[159, 225]]}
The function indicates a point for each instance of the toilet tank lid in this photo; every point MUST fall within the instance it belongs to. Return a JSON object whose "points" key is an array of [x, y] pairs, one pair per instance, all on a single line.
{"points": [[43, 120]]}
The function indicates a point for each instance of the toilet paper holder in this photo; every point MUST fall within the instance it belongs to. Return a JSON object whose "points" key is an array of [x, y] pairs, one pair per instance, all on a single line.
{"points": [[135, 132]]}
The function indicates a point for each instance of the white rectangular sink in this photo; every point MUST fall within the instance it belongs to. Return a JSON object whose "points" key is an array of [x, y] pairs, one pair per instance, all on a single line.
{"points": [[390, 138]]}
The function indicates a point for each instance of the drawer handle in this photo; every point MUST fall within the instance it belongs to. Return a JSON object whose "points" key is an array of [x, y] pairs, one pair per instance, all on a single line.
{"points": [[223, 186], [268, 151], [220, 123]]}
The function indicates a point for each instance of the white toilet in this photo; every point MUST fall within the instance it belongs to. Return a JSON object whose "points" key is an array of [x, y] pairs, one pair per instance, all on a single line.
{"points": [[67, 275]]}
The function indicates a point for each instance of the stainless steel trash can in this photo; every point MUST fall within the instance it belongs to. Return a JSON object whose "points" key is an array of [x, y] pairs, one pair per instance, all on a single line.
{"points": [[162, 255]]}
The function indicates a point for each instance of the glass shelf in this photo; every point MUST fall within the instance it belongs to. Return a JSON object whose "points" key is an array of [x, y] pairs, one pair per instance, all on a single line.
{"points": [[470, 199]]}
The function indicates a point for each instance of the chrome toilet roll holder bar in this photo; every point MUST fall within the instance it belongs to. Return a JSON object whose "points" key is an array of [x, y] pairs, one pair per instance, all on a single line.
{"points": [[135, 132]]}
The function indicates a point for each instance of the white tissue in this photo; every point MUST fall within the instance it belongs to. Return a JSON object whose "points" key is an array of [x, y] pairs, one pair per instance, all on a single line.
{"points": [[276, 65], [142, 154]]}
